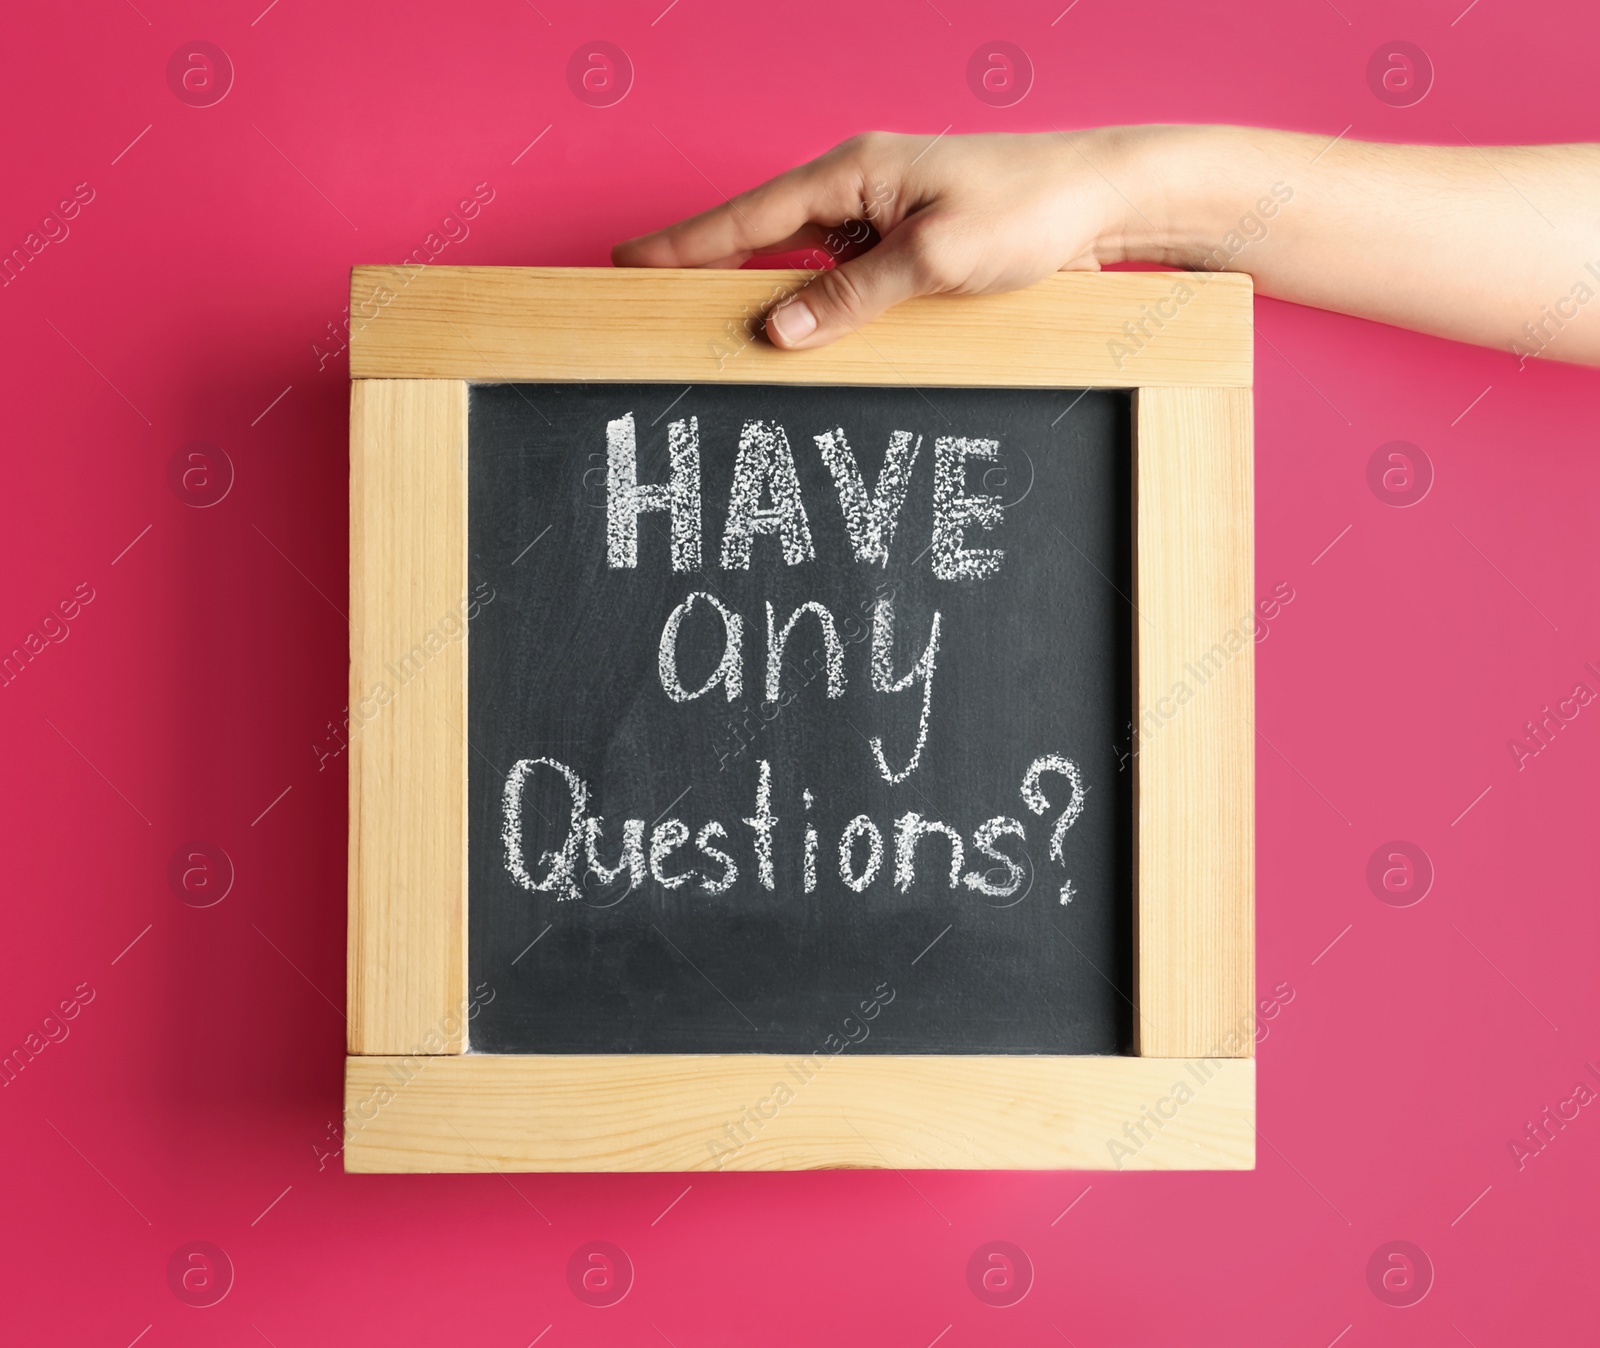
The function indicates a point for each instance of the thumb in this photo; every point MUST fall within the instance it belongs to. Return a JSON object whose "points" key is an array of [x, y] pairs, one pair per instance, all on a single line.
{"points": [[842, 299]]}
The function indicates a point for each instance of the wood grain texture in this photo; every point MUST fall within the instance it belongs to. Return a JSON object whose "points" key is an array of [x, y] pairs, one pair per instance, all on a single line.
{"points": [[1195, 762], [572, 1112], [1073, 329], [408, 706]]}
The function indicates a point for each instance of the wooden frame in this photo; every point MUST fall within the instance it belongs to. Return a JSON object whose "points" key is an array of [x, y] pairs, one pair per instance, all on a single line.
{"points": [[417, 1100]]}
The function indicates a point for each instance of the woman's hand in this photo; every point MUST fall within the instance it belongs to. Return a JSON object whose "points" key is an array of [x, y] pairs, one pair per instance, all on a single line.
{"points": [[961, 214], [1495, 245]]}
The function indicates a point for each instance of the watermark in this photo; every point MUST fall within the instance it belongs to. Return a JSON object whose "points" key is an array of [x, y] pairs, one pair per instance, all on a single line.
{"points": [[738, 1133], [1251, 629], [200, 474], [1399, 1273], [1153, 1118], [199, 74], [53, 1029], [1541, 1131], [1251, 228], [1541, 334], [53, 228], [1270, 609], [999, 74], [1399, 74], [454, 227], [1137, 331], [999, 1273], [599, 1273], [744, 722], [402, 670], [1539, 733], [402, 1071], [599, 74], [200, 874], [199, 1273], [1399, 873], [52, 630], [1399, 473], [335, 1148], [740, 333]]}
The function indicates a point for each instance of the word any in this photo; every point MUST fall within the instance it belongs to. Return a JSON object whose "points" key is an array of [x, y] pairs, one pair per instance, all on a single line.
{"points": [[54, 1029], [52, 229], [1538, 1135], [752, 1118], [1540, 734], [584, 835], [1543, 333], [745, 722], [730, 669], [452, 229], [53, 630], [1153, 1118]]}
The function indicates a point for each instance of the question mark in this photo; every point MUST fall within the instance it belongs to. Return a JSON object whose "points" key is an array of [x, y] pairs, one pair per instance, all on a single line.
{"points": [[1036, 802]]}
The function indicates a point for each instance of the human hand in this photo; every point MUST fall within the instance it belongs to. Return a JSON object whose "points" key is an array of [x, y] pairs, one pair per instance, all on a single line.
{"points": [[1396, 233], [960, 215]]}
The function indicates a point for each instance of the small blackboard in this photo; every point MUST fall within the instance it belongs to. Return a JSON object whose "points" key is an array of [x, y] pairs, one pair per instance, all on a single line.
{"points": [[659, 777], [798, 712]]}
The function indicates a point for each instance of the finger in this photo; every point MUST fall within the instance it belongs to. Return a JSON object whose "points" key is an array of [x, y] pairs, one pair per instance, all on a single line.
{"points": [[807, 236], [824, 245], [824, 191], [847, 297]]}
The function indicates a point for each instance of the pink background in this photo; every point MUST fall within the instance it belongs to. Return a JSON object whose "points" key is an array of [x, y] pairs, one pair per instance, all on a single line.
{"points": [[190, 1098]]}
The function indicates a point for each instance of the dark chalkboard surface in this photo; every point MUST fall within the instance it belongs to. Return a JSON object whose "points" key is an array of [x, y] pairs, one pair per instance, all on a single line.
{"points": [[1012, 529]]}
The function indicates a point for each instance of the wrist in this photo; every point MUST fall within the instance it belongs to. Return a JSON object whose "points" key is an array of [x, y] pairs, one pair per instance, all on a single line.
{"points": [[1170, 190]]}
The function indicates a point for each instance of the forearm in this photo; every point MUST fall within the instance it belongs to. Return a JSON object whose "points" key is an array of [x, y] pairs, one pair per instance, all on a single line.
{"points": [[1498, 246]]}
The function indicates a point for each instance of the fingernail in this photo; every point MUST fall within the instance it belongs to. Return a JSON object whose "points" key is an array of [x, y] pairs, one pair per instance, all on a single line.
{"points": [[794, 322]]}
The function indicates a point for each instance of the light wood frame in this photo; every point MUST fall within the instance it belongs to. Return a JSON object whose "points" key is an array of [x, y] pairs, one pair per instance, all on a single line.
{"points": [[416, 1099]]}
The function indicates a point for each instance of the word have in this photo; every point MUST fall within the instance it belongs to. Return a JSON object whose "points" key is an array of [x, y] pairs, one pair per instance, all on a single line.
{"points": [[1541, 734], [1138, 1133], [55, 1029], [583, 838], [448, 631], [765, 498], [1555, 1118], [455, 230], [752, 1118], [52, 229], [53, 630]]}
